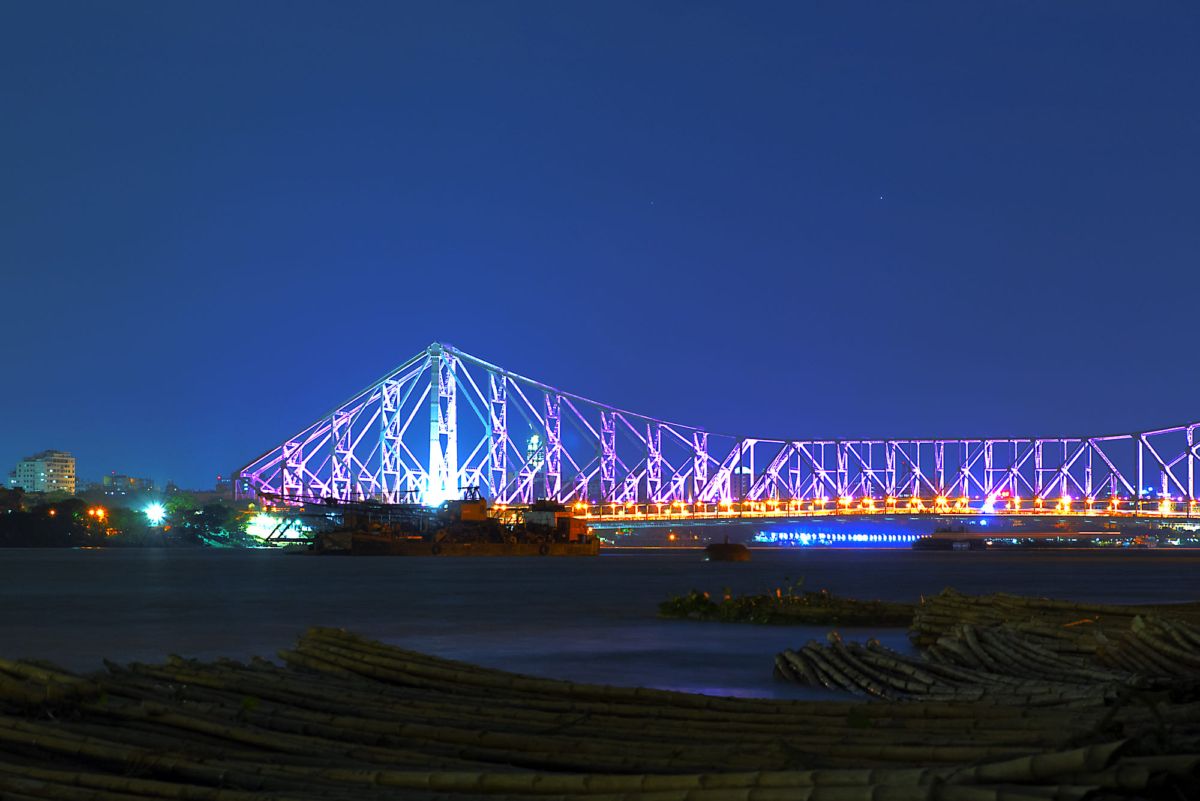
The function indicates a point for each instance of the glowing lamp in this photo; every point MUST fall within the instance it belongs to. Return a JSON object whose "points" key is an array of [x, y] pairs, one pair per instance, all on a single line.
{"points": [[155, 513]]}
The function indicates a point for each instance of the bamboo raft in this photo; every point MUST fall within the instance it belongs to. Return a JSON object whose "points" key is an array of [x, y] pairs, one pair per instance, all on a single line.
{"points": [[1005, 649], [351, 719]]}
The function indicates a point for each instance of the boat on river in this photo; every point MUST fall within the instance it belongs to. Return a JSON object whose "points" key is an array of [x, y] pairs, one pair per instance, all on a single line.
{"points": [[726, 552], [466, 527], [947, 539]]}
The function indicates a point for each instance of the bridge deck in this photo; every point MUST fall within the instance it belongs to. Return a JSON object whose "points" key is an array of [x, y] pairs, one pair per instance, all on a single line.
{"points": [[612, 516]]}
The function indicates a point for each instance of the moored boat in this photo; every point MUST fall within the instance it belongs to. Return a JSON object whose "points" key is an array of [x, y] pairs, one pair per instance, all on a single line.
{"points": [[726, 552], [466, 527]]}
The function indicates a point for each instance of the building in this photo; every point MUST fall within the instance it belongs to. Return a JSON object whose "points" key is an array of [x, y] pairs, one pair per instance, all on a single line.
{"points": [[115, 484], [47, 471]]}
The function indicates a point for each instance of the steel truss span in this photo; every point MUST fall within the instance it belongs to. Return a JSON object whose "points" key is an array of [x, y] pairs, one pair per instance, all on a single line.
{"points": [[518, 440]]}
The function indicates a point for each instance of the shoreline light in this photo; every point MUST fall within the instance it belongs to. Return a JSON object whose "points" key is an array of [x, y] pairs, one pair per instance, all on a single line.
{"points": [[155, 513]]}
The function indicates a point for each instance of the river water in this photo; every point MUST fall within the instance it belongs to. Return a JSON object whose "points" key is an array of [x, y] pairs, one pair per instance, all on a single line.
{"points": [[584, 619]]}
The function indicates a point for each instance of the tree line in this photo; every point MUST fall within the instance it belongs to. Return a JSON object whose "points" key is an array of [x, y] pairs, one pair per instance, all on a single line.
{"points": [[28, 522]]}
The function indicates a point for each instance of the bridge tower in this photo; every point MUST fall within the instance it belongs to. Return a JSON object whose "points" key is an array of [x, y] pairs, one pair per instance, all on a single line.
{"points": [[443, 427]]}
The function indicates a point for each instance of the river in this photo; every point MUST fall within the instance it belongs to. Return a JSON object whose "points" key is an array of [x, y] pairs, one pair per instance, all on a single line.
{"points": [[584, 619]]}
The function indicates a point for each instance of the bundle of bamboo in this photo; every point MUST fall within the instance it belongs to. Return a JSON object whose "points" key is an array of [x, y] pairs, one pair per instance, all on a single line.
{"points": [[353, 719], [938, 614], [1005, 649]]}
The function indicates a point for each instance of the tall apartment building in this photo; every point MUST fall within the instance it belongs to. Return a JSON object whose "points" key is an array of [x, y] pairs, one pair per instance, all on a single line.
{"points": [[45, 472]]}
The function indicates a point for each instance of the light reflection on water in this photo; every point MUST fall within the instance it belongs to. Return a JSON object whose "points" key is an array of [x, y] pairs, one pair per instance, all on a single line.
{"points": [[587, 620]]}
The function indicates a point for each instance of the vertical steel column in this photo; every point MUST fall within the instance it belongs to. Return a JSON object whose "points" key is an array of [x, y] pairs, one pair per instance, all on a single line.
{"points": [[748, 481], [443, 428], [1087, 471], [916, 466], [818, 453], [433, 479], [608, 456], [843, 468], [498, 436], [553, 447], [1191, 457], [988, 460], [1139, 469], [1038, 486], [939, 465], [340, 453], [889, 458], [867, 471], [653, 462], [795, 491], [1014, 476], [1064, 485], [389, 473], [291, 465], [965, 457], [699, 462], [741, 495]]}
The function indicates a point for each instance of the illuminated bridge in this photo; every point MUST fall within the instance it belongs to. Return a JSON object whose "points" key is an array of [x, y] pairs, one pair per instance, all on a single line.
{"points": [[444, 421]]}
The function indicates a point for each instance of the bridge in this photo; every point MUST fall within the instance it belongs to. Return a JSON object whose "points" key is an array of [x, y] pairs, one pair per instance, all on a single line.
{"points": [[520, 439]]}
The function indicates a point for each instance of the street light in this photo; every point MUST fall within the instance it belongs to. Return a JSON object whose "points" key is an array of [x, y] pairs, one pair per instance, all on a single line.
{"points": [[156, 513]]}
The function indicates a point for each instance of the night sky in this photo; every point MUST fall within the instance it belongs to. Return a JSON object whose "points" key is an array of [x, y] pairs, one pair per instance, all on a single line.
{"points": [[219, 219]]}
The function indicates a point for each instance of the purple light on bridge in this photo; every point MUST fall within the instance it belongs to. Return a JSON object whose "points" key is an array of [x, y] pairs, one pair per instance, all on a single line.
{"points": [[615, 459]]}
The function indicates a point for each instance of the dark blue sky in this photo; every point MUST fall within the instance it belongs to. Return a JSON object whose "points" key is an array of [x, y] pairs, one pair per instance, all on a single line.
{"points": [[783, 219]]}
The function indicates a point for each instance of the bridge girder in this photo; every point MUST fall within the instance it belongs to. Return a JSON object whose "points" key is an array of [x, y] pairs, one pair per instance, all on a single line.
{"points": [[574, 450]]}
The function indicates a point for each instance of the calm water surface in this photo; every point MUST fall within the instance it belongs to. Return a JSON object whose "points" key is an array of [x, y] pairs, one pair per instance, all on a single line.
{"points": [[589, 620]]}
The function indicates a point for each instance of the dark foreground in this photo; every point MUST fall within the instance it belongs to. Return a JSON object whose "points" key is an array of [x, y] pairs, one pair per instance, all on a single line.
{"points": [[354, 719]]}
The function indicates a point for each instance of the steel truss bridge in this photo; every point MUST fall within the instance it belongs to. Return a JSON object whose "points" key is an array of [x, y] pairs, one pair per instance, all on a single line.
{"points": [[519, 440]]}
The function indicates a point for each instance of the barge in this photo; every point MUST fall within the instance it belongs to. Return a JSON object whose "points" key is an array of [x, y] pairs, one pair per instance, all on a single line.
{"points": [[467, 527]]}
